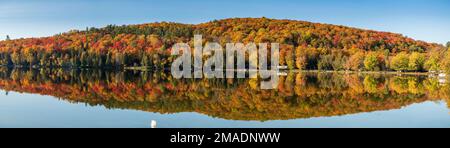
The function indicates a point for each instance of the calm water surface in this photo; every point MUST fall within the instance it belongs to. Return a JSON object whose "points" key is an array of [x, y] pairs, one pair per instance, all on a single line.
{"points": [[61, 98]]}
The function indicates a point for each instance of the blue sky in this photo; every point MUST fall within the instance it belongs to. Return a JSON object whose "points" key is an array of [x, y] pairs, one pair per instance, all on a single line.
{"points": [[427, 20]]}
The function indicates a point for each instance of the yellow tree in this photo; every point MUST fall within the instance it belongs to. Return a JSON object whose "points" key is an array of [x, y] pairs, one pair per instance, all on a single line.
{"points": [[416, 61], [355, 62], [400, 62], [445, 62], [371, 62], [300, 58]]}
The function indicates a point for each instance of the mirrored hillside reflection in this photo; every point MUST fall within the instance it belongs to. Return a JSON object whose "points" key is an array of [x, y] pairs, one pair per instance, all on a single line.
{"points": [[299, 95]]}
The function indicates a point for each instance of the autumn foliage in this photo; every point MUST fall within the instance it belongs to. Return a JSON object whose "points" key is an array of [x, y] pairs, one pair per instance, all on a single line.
{"points": [[304, 45]]}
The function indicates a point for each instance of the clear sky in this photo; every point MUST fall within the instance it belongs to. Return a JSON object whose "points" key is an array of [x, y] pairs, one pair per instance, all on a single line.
{"points": [[427, 20]]}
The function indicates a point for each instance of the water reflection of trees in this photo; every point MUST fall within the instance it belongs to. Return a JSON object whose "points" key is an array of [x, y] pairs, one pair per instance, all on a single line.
{"points": [[299, 95]]}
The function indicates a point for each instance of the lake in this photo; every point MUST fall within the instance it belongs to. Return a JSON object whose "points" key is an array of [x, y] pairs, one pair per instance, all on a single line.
{"points": [[96, 98]]}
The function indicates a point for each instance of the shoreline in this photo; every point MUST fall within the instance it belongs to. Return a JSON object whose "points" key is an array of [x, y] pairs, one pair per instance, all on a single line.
{"points": [[288, 71], [367, 72]]}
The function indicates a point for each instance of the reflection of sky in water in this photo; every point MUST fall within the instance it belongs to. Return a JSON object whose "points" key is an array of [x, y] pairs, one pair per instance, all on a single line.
{"points": [[26, 110]]}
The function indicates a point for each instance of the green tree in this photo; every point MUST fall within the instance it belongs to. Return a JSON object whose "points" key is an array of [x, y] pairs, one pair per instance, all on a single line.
{"points": [[6, 59], [44, 59], [108, 61], [400, 62], [325, 62], [84, 59], [339, 62], [432, 64], [145, 62], [445, 63], [101, 61], [416, 61], [8, 38], [156, 61], [290, 59], [31, 58], [387, 53], [371, 62], [16, 58]]}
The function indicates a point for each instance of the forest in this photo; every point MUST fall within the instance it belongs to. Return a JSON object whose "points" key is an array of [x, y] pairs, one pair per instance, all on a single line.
{"points": [[303, 46]]}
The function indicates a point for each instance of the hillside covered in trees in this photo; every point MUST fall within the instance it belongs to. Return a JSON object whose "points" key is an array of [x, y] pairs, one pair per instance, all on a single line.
{"points": [[304, 45]]}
